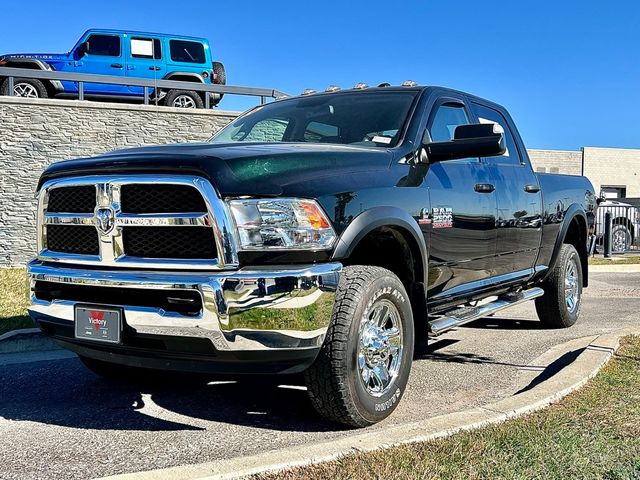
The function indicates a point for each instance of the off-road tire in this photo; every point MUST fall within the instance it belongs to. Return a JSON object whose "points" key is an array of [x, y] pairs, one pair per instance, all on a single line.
{"points": [[36, 84], [552, 307], [333, 380], [220, 73], [173, 94]]}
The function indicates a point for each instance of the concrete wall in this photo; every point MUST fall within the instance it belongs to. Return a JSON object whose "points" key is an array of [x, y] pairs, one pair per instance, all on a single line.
{"points": [[613, 167], [35, 133], [556, 161]]}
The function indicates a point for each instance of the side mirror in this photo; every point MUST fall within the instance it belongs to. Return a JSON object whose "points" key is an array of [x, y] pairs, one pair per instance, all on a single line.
{"points": [[476, 140], [83, 49]]}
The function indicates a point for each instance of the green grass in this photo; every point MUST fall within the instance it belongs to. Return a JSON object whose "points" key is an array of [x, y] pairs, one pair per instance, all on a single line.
{"points": [[13, 300], [634, 260], [594, 433]]}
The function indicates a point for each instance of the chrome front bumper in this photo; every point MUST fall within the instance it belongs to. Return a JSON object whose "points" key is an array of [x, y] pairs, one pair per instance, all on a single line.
{"points": [[246, 310]]}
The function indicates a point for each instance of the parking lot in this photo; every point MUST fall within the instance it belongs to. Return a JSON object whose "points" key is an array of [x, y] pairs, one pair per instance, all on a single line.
{"points": [[57, 420]]}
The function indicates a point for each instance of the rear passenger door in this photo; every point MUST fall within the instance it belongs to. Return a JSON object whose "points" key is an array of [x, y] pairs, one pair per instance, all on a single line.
{"points": [[519, 220], [145, 59], [462, 212]]}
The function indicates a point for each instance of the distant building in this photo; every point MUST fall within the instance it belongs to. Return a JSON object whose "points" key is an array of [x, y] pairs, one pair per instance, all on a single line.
{"points": [[615, 171]]}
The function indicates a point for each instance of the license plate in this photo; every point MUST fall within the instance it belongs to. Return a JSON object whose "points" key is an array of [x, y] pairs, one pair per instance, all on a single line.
{"points": [[98, 323]]}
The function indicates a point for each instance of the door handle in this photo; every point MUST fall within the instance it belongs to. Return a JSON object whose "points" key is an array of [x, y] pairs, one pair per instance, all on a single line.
{"points": [[484, 188], [116, 65], [155, 69], [531, 188]]}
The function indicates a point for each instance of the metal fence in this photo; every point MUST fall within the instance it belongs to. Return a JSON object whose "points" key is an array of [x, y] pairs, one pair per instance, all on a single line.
{"points": [[149, 85], [623, 228]]}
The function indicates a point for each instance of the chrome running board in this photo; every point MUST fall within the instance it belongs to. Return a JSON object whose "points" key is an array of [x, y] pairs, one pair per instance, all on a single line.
{"points": [[463, 315]]}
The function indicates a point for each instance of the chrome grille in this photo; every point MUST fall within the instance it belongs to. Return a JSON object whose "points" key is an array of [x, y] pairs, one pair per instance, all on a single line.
{"points": [[161, 199], [80, 199], [82, 240], [151, 221]]}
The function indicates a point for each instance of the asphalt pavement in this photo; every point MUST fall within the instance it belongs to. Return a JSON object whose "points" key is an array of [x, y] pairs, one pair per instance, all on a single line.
{"points": [[58, 420]]}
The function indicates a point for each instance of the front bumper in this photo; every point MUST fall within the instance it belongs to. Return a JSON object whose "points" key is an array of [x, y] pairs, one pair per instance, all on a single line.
{"points": [[251, 320]]}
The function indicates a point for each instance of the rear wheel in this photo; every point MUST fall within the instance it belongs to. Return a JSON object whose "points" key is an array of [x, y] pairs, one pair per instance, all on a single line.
{"points": [[363, 367], [559, 307], [183, 99], [26, 88]]}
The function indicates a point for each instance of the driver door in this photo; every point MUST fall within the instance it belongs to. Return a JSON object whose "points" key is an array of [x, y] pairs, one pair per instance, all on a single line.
{"points": [[104, 55]]}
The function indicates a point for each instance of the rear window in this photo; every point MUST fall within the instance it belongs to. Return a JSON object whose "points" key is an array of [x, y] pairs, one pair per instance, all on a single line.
{"points": [[187, 52], [104, 45]]}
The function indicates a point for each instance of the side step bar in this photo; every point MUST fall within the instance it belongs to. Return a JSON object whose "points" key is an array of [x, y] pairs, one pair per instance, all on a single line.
{"points": [[463, 315]]}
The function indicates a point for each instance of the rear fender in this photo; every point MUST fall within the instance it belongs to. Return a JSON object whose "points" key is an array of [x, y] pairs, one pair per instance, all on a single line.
{"points": [[575, 211]]}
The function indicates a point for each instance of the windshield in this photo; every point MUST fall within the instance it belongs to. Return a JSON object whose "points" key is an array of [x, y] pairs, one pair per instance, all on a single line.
{"points": [[351, 118]]}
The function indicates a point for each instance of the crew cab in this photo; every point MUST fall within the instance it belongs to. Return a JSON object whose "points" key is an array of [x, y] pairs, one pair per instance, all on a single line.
{"points": [[123, 53], [329, 233]]}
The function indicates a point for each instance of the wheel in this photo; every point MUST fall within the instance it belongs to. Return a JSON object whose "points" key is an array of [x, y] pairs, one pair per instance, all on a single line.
{"points": [[363, 366], [219, 74], [25, 87], [183, 99], [219, 78], [620, 238], [559, 307]]}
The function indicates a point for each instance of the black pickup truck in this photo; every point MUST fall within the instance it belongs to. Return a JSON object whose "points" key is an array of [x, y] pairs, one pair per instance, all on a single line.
{"points": [[329, 233]]}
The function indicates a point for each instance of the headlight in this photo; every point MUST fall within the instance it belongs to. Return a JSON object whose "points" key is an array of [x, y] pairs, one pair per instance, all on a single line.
{"points": [[281, 224]]}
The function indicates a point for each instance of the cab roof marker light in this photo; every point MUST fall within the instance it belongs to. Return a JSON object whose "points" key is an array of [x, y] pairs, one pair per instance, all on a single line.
{"points": [[308, 91], [409, 83], [384, 84], [360, 86], [332, 88]]}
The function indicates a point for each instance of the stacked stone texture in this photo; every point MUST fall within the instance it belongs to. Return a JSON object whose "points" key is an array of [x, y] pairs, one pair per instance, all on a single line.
{"points": [[36, 133]]}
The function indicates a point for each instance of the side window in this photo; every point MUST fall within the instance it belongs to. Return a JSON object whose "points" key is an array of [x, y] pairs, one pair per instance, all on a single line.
{"points": [[489, 115], [319, 132], [149, 48], [267, 130], [104, 45], [447, 118], [186, 51]]}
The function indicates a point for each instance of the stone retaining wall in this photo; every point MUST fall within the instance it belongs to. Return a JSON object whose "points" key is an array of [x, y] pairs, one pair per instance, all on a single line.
{"points": [[37, 132]]}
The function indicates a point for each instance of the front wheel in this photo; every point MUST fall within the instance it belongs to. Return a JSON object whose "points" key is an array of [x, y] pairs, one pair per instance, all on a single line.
{"points": [[363, 366], [25, 87], [559, 307]]}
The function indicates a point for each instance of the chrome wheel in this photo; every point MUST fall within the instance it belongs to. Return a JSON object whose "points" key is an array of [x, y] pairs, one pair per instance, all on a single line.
{"points": [[620, 239], [571, 285], [25, 90], [380, 348], [184, 101]]}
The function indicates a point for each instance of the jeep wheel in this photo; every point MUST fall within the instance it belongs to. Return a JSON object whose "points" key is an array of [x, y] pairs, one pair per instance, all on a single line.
{"points": [[183, 99], [363, 366], [620, 238], [26, 88], [559, 307]]}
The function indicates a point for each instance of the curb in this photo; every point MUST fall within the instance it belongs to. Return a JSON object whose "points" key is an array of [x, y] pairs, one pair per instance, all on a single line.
{"points": [[26, 340], [613, 268], [593, 357]]}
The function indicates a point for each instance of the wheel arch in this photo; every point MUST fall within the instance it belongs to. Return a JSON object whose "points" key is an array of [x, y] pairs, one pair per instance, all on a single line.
{"points": [[573, 231], [396, 233], [184, 77], [52, 86]]}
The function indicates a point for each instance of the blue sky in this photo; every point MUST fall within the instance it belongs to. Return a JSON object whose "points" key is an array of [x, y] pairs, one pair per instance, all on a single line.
{"points": [[569, 71]]}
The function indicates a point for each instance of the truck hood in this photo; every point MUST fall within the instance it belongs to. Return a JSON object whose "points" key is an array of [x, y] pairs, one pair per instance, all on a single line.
{"points": [[268, 169]]}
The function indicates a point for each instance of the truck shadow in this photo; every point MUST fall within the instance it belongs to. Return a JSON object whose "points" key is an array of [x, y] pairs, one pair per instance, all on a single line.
{"points": [[64, 393]]}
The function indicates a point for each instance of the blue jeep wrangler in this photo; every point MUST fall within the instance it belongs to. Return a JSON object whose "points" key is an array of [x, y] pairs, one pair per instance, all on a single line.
{"points": [[126, 54]]}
